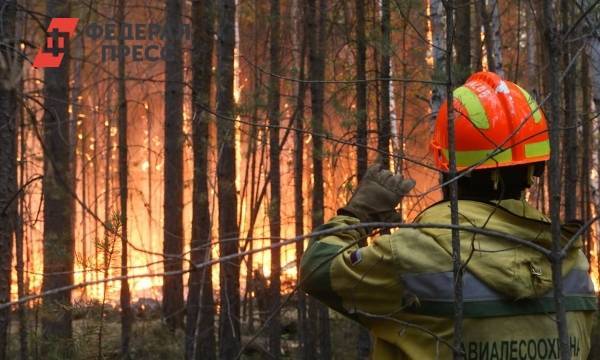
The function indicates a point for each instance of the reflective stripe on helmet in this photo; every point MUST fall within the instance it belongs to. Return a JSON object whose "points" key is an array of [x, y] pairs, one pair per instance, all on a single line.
{"points": [[475, 110], [537, 115], [537, 149], [472, 157]]}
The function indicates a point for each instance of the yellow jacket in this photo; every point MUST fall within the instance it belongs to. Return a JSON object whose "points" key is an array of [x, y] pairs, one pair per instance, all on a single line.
{"points": [[400, 286]]}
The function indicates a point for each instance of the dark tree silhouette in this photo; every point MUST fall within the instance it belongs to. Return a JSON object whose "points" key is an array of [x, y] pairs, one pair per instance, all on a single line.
{"points": [[229, 274], [361, 129], [384, 124], [173, 169], [58, 224], [316, 64], [8, 156], [361, 91], [463, 40], [569, 143], [200, 331], [551, 38], [125, 294], [275, 208], [299, 170]]}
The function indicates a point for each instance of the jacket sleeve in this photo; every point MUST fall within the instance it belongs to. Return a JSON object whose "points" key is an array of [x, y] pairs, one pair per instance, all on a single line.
{"points": [[348, 278]]}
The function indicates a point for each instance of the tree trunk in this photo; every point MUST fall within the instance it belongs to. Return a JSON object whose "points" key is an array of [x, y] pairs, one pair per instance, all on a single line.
{"points": [[593, 53], [79, 140], [200, 332], [490, 15], [497, 38], [20, 242], [383, 126], [316, 44], [8, 170], [551, 39], [363, 345], [570, 142], [58, 230], [438, 26], [586, 127], [106, 238], [254, 179], [532, 76], [125, 295], [229, 315], [173, 169], [477, 44], [456, 256], [317, 194], [361, 91], [95, 161], [593, 48], [300, 39], [274, 211], [463, 41]]}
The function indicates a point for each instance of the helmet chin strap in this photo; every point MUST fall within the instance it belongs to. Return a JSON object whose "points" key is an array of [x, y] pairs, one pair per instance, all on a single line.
{"points": [[495, 178]]}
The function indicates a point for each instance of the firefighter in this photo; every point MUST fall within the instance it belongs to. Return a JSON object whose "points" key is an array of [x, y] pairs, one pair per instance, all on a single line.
{"points": [[400, 286]]}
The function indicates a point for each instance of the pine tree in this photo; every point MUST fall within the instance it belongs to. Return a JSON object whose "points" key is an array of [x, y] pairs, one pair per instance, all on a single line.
{"points": [[200, 331], [173, 169]]}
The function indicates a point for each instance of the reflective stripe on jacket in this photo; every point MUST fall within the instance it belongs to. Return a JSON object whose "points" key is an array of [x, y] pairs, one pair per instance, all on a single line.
{"points": [[400, 286]]}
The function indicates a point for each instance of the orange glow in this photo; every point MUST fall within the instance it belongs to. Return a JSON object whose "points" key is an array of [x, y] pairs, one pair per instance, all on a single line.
{"points": [[97, 120]]}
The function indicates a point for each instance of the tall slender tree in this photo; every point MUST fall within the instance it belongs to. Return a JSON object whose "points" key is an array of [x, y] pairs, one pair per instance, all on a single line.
{"points": [[586, 127], [551, 38], [490, 15], [200, 333], [361, 128], [173, 169], [361, 90], [463, 40], [125, 294], [476, 42], [316, 45], [275, 208], [438, 26], [530, 28], [300, 40], [20, 244], [384, 125], [495, 23], [8, 155], [59, 243], [229, 315], [570, 143], [453, 189], [593, 50], [107, 195], [311, 339]]}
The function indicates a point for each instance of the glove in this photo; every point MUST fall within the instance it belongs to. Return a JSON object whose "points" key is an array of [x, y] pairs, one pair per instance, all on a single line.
{"points": [[377, 195]]}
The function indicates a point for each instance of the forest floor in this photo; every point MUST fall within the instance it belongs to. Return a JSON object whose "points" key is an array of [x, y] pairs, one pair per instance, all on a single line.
{"points": [[152, 340]]}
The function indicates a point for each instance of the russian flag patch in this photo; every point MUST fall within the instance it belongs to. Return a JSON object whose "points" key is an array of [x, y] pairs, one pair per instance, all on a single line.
{"points": [[355, 257]]}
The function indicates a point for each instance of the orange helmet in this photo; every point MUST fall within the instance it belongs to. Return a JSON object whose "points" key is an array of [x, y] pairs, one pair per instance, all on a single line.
{"points": [[491, 113]]}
